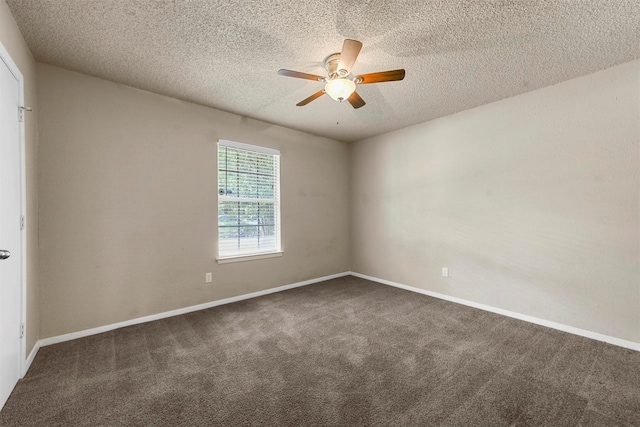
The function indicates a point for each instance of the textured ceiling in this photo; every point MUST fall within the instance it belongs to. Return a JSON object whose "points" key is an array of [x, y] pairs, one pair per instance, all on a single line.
{"points": [[225, 54]]}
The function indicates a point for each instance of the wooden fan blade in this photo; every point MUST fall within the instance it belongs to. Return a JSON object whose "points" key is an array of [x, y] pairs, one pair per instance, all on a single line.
{"points": [[349, 54], [355, 100], [311, 98], [299, 75], [382, 76]]}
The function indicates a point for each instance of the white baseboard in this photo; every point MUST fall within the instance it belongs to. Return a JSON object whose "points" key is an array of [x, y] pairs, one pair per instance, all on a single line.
{"points": [[549, 324], [158, 316], [80, 334], [29, 361]]}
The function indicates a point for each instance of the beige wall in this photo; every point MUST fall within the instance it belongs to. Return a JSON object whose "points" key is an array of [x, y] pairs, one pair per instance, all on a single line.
{"points": [[128, 207], [12, 40], [531, 202]]}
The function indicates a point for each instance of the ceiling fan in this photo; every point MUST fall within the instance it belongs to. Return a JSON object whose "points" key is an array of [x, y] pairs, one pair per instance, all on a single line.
{"points": [[340, 84]]}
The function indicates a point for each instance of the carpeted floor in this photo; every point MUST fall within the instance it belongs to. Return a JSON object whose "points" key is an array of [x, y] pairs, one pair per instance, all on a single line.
{"points": [[343, 352]]}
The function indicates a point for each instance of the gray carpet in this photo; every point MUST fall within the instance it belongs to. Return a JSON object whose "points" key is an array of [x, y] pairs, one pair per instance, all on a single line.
{"points": [[343, 352]]}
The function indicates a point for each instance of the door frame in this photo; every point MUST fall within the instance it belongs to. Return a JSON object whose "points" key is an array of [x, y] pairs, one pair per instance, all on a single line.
{"points": [[13, 68]]}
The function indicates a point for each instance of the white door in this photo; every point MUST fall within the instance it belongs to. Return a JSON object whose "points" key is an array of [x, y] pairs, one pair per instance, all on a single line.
{"points": [[10, 234]]}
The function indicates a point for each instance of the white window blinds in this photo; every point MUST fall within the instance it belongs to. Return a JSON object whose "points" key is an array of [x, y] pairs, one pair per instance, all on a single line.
{"points": [[248, 199]]}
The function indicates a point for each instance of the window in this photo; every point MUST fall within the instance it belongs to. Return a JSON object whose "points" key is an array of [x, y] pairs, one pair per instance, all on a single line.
{"points": [[248, 200]]}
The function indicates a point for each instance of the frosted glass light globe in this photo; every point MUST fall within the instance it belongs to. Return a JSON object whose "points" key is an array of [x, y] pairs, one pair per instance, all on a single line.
{"points": [[340, 89]]}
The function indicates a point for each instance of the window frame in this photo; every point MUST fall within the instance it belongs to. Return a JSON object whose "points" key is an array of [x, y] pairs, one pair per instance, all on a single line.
{"points": [[257, 254]]}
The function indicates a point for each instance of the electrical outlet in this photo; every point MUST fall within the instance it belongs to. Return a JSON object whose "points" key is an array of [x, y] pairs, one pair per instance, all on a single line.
{"points": [[208, 278], [445, 272]]}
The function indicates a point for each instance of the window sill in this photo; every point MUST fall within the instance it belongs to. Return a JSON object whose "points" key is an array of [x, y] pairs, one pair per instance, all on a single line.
{"points": [[240, 258]]}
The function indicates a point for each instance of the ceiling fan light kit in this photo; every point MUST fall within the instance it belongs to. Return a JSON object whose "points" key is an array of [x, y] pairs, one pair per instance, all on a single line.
{"points": [[340, 84], [340, 89]]}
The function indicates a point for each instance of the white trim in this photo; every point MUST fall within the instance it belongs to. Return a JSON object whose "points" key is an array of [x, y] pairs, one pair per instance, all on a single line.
{"points": [[250, 257], [248, 147], [570, 329], [245, 199], [32, 355], [549, 324], [158, 316], [13, 68], [278, 205]]}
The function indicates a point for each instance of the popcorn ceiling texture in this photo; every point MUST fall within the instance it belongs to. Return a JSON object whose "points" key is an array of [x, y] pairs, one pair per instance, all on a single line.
{"points": [[225, 54]]}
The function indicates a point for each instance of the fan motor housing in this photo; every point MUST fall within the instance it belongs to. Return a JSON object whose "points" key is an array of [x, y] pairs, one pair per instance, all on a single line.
{"points": [[331, 63]]}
